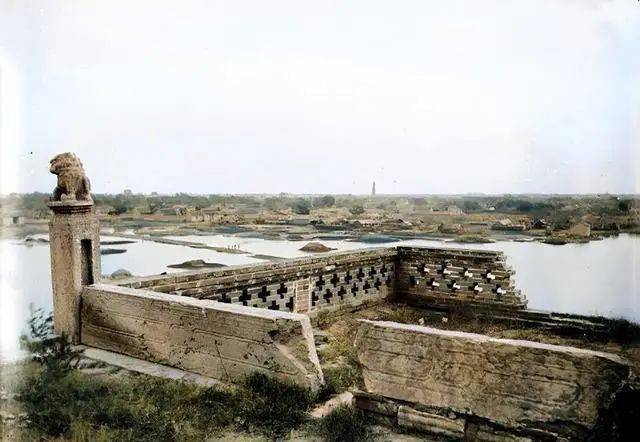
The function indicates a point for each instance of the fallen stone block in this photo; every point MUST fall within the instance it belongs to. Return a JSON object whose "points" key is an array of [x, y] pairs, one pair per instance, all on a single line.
{"points": [[431, 423], [375, 403], [512, 383]]}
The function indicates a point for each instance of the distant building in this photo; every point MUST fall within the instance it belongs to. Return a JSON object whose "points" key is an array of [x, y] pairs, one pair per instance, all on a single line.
{"points": [[373, 189], [454, 210], [15, 220], [300, 221], [540, 223], [507, 224], [580, 229]]}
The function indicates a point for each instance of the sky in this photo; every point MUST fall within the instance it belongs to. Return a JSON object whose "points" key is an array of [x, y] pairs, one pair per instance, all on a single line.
{"points": [[481, 96]]}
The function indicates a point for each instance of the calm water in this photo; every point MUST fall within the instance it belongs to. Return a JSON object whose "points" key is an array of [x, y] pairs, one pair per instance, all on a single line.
{"points": [[601, 277]]}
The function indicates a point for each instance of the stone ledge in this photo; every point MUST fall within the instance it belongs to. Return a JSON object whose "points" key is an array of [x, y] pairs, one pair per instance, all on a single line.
{"points": [[70, 207], [145, 367], [429, 422]]}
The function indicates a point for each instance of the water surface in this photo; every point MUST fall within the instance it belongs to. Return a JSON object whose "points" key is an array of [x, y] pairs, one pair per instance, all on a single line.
{"points": [[600, 277]]}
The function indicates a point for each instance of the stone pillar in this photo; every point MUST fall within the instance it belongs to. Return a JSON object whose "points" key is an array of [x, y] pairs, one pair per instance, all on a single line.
{"points": [[75, 261], [302, 295]]}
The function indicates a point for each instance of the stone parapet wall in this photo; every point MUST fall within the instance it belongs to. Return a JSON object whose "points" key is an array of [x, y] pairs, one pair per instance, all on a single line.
{"points": [[303, 285], [456, 277], [428, 277], [452, 376], [217, 340]]}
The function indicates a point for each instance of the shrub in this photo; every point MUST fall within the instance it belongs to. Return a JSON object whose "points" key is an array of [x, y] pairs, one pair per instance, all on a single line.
{"points": [[301, 206], [340, 378], [271, 406], [324, 201], [51, 351], [623, 331], [357, 209], [344, 424]]}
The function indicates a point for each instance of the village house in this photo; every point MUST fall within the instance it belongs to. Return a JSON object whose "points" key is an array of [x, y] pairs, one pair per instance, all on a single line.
{"points": [[581, 229], [12, 220], [507, 224]]}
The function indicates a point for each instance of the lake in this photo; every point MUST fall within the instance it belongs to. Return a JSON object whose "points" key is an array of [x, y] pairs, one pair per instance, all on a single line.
{"points": [[599, 277]]}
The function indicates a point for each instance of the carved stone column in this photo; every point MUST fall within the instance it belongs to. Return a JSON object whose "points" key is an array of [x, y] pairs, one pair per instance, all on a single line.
{"points": [[75, 261], [74, 243]]}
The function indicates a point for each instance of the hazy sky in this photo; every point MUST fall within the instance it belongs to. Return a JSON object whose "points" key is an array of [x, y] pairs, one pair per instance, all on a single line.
{"points": [[323, 96]]}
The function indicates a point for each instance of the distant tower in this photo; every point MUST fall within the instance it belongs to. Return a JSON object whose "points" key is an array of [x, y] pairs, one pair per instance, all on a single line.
{"points": [[373, 189]]}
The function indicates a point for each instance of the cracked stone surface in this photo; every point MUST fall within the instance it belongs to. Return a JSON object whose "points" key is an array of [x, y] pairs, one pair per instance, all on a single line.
{"points": [[506, 381], [221, 341]]}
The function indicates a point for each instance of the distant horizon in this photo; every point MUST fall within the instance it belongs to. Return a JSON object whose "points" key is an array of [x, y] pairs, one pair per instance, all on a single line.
{"points": [[469, 194]]}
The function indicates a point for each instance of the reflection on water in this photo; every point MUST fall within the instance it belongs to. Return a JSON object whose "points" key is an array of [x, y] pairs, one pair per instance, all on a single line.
{"points": [[600, 277]]}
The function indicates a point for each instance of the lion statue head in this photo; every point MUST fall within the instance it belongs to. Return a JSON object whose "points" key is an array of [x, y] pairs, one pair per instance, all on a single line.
{"points": [[73, 184]]}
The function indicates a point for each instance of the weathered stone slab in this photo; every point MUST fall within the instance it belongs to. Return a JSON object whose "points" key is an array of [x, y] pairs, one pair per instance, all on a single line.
{"points": [[510, 382], [222, 341], [431, 423], [375, 403]]}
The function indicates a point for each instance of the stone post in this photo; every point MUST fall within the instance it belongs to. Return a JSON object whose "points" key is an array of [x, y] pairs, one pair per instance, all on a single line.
{"points": [[75, 261]]}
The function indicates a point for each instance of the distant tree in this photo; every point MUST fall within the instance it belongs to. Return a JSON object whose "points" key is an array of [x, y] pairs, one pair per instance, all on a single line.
{"points": [[524, 206], [470, 205], [624, 206], [273, 203], [301, 206], [324, 201], [357, 209], [154, 207], [121, 205]]}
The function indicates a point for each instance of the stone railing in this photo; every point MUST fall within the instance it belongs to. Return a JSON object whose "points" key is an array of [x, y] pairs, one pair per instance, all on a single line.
{"points": [[304, 285], [427, 276], [435, 277]]}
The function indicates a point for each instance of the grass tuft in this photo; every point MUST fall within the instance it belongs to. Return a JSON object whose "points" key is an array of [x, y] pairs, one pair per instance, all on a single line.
{"points": [[272, 407], [344, 423]]}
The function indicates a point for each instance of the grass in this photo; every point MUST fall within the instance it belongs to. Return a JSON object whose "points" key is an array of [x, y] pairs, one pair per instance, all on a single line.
{"points": [[78, 406], [344, 424], [340, 378], [60, 401], [141, 408], [623, 331]]}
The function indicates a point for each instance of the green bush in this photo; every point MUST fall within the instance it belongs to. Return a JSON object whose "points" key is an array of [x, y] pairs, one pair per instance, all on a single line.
{"points": [[301, 206], [344, 424], [357, 209], [51, 351], [340, 378], [324, 201]]}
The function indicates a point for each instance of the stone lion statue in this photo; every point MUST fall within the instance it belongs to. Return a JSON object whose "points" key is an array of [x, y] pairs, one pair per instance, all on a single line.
{"points": [[73, 184]]}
